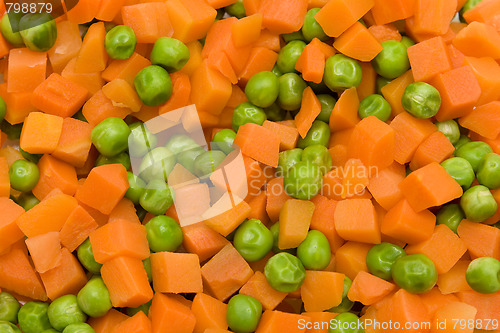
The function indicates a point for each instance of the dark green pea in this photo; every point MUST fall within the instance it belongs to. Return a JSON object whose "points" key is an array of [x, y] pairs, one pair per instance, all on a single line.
{"points": [[346, 304], [318, 134], [450, 129], [488, 172], [421, 100], [381, 258], [318, 154], [236, 9], [147, 267], [35, 158], [275, 113], [262, 89], [110, 136], [414, 273], [163, 234], [303, 180], [375, 105], [120, 42], [79, 115], [319, 88], [450, 215], [9, 27], [157, 164], [296, 35], [93, 298], [157, 198], [346, 322], [407, 41], [483, 275], [187, 158], [246, 113], [253, 240], [9, 307], [474, 152], [291, 88], [108, 26], [179, 143], [289, 54], [27, 200], [461, 141], [33, 318], [287, 159], [135, 189], [478, 204], [285, 272], [276, 71], [38, 30], [121, 158], [342, 73], [78, 328], [140, 140], [243, 313], [144, 308], [380, 83], [207, 162], [153, 85], [311, 28], [8, 327], [23, 175], [460, 170], [223, 140], [392, 61], [314, 252], [327, 104], [13, 131], [169, 53], [86, 257], [3, 109]]}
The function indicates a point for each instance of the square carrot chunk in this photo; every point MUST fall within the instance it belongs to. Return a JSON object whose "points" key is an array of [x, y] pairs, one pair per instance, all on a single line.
{"points": [[41, 133], [429, 58], [9, 231], [45, 251], [26, 68], [176, 272]]}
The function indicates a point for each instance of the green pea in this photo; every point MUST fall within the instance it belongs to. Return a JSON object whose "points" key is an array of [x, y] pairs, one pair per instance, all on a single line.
{"points": [[319, 88], [407, 41], [327, 104], [450, 129], [421, 100], [65, 311], [488, 172], [287, 159], [207, 162], [78, 328], [35, 158], [246, 113], [144, 308], [380, 83], [392, 61], [147, 267], [13, 131], [50, 330], [179, 143], [414, 273], [27, 200], [289, 54], [474, 152], [483, 275], [346, 304], [8, 327], [463, 140], [93, 298], [187, 158], [285, 272], [164, 234], [291, 88], [318, 154], [318, 134], [478, 204], [23, 175], [276, 71], [275, 113], [342, 73], [253, 240], [346, 322], [303, 180], [3, 109], [375, 105], [314, 252], [153, 85], [460, 170], [38, 30], [120, 42], [262, 89], [140, 140], [135, 189], [157, 164], [79, 115], [33, 318], [169, 53], [86, 257], [275, 231], [110, 136], [296, 35], [121, 158], [381, 257], [236, 9], [9, 307], [243, 313], [223, 140], [450, 215], [157, 198], [9, 27], [311, 28]]}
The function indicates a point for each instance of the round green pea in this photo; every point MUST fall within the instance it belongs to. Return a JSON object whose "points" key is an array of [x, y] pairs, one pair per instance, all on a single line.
{"points": [[460, 170], [303, 180], [180, 142], [163, 234], [27, 200], [287, 159], [276, 71], [488, 172], [392, 61], [275, 113], [450, 215], [144, 308], [262, 89], [296, 35], [187, 158], [79, 328], [414, 273], [289, 54], [122, 158], [38, 31], [8, 327], [169, 53], [35, 158], [381, 258], [285, 272], [407, 41], [243, 313], [9, 27], [462, 141], [483, 275], [157, 164], [327, 104], [421, 100], [311, 28], [140, 140], [450, 129], [346, 304], [474, 152], [253, 240], [86, 257], [23, 175], [93, 298], [346, 322], [153, 85], [291, 88], [318, 154], [120, 42], [380, 83], [236, 9], [157, 197], [318, 134], [135, 189], [275, 231], [50, 330], [9, 307], [110, 136], [375, 105], [223, 140], [478, 204], [13, 131], [64, 311], [314, 252], [207, 162], [245, 113], [33, 318], [342, 73]]}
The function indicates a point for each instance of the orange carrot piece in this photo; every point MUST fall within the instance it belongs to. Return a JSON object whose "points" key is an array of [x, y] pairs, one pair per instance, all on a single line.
{"points": [[41, 133], [92, 56], [176, 272], [487, 305], [4, 178], [309, 110], [9, 231], [384, 32], [82, 11], [437, 20], [180, 93], [125, 69], [92, 82], [355, 220], [149, 20], [288, 135], [45, 251], [369, 289], [170, 315], [258, 143], [384, 185], [394, 90], [201, 240], [350, 258], [323, 220], [278, 321], [435, 148], [190, 19], [276, 198], [27, 69], [107, 322], [358, 43], [345, 112], [368, 82], [268, 40], [260, 59], [322, 290], [77, 228], [18, 104], [122, 94], [478, 40], [259, 288], [138, 323], [454, 280], [295, 219], [282, 19], [450, 312], [210, 89], [311, 63], [74, 143], [246, 30], [210, 313], [484, 120], [257, 205], [481, 240], [55, 174], [99, 107], [67, 45], [229, 220], [387, 11], [424, 66]]}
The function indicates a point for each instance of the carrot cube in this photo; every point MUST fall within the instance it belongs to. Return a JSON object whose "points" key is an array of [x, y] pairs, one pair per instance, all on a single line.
{"points": [[387, 11], [429, 58], [92, 56], [478, 40], [350, 258], [484, 120], [120, 92], [107, 322], [355, 220], [4, 176], [487, 72], [259, 288], [454, 280], [210, 313], [190, 19], [27, 69], [168, 315], [138, 323], [369, 289], [9, 231], [77, 228], [202, 240], [176, 272], [246, 30], [125, 69], [311, 63], [260, 59], [277, 321], [41, 133], [283, 19], [227, 217], [345, 112], [55, 174], [45, 251], [258, 143], [435, 148], [481, 240], [295, 219], [384, 185], [338, 15], [74, 144], [358, 43], [323, 220], [322, 290], [309, 110]]}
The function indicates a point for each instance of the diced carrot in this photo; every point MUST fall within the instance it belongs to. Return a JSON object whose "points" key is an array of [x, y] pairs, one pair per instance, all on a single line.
{"points": [[210, 89], [149, 20], [295, 219], [429, 58], [83, 11], [247, 30], [486, 71], [168, 315], [368, 82], [18, 104], [258, 143], [26, 68], [9, 231], [122, 94], [478, 40], [176, 272], [487, 305], [258, 205], [276, 198], [66, 47], [268, 40], [369, 289], [190, 19], [437, 20], [384, 185], [92, 56], [311, 63], [210, 313], [107, 322], [322, 321], [358, 43], [41, 133], [228, 220], [387, 11], [394, 90], [288, 135], [484, 120], [202, 240], [350, 258], [278, 321], [260, 59], [384, 32], [77, 228], [484, 13], [457, 58], [309, 110], [99, 107], [434, 300], [259, 288], [450, 313], [125, 69], [435, 148], [74, 143], [481, 240], [138, 323], [345, 112], [323, 220], [322, 290], [93, 82], [45, 251], [282, 19], [4, 178], [55, 174], [124, 210], [454, 280], [355, 220], [180, 93]]}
